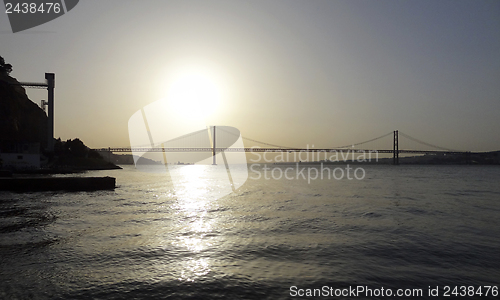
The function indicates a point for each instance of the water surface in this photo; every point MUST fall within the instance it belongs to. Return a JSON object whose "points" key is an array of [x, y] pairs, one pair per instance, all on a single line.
{"points": [[399, 227]]}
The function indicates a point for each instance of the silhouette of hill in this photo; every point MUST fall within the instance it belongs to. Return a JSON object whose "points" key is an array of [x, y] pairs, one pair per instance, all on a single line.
{"points": [[21, 120]]}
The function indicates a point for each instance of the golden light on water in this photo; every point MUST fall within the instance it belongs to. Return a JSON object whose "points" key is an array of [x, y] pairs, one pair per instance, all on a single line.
{"points": [[194, 205], [192, 186], [195, 268]]}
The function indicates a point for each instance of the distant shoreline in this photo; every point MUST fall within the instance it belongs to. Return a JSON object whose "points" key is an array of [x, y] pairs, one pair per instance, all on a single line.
{"points": [[487, 158]]}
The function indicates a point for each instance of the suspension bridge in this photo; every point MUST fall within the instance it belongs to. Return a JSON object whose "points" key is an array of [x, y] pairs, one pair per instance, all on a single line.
{"points": [[222, 138]]}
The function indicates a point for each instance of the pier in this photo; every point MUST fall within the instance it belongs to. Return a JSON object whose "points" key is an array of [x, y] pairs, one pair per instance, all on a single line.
{"points": [[36, 184]]}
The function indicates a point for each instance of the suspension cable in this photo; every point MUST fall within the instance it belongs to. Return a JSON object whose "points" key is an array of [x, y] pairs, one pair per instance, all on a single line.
{"points": [[424, 143], [259, 142], [352, 145], [285, 147]]}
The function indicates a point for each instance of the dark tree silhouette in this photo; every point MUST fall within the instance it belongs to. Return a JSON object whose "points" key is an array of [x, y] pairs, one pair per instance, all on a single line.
{"points": [[76, 148], [58, 146], [5, 69]]}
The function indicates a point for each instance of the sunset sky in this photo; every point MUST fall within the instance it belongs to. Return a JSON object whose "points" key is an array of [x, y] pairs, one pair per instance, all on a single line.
{"points": [[292, 73]]}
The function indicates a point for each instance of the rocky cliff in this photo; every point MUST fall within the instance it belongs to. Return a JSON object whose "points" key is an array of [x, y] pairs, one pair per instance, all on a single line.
{"points": [[21, 120]]}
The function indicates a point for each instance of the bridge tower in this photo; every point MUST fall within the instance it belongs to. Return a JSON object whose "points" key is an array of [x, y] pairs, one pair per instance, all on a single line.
{"points": [[51, 80], [213, 149], [395, 151]]}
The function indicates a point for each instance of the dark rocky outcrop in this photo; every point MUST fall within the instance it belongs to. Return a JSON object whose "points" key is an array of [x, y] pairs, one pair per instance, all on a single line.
{"points": [[21, 120]]}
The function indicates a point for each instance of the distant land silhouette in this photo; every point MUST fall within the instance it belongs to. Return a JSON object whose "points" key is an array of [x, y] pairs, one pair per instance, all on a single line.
{"points": [[484, 158], [127, 159]]}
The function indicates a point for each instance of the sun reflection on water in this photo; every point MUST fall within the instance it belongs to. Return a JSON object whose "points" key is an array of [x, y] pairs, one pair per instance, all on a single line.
{"points": [[192, 184], [195, 268], [195, 223], [193, 244]]}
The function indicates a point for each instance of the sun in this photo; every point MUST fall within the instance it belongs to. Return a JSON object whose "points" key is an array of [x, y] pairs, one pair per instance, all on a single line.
{"points": [[194, 94]]}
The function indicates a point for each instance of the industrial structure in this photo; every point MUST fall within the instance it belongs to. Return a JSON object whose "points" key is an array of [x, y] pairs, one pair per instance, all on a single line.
{"points": [[50, 85]]}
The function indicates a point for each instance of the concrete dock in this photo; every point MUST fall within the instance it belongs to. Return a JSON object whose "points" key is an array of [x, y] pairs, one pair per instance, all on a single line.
{"points": [[34, 184]]}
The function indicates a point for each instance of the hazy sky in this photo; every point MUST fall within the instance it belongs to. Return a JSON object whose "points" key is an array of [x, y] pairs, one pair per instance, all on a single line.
{"points": [[328, 73]]}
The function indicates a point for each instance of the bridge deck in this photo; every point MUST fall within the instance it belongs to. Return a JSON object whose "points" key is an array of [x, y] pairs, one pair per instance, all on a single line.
{"points": [[160, 149]]}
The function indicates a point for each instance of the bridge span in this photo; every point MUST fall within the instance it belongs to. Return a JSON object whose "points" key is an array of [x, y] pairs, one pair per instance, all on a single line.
{"points": [[258, 149], [395, 151]]}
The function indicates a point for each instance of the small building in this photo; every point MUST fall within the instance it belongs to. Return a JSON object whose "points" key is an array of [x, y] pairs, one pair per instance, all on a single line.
{"points": [[20, 156]]}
